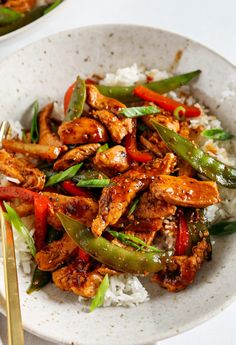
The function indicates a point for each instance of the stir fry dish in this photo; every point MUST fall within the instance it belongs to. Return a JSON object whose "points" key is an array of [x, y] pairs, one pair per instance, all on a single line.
{"points": [[119, 185], [14, 14]]}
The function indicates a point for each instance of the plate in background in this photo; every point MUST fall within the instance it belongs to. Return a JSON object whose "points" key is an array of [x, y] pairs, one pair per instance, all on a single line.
{"points": [[41, 20]]}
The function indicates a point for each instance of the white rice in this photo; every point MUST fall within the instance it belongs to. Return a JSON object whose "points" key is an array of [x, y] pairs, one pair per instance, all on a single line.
{"points": [[126, 290]]}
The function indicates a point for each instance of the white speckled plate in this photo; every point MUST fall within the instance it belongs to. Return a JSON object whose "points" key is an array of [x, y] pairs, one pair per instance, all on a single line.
{"points": [[43, 71], [42, 20]]}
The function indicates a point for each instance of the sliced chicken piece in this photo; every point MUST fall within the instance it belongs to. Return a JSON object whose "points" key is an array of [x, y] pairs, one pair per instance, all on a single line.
{"points": [[150, 146], [112, 161], [22, 170], [75, 156], [164, 119], [166, 165], [42, 151], [99, 102], [181, 270], [185, 191], [55, 253], [21, 6], [117, 128], [78, 207], [46, 135], [82, 131], [155, 141], [184, 129], [116, 198], [77, 278], [185, 168], [150, 207], [22, 209]]}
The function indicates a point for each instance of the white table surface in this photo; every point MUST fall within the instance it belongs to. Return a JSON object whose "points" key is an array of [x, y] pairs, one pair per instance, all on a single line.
{"points": [[211, 22]]}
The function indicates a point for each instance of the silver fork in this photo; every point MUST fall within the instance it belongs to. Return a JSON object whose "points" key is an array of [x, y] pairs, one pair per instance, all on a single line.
{"points": [[14, 321]]}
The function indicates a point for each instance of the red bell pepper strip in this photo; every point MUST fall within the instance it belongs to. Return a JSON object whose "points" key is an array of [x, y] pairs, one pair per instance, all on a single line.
{"points": [[71, 188], [84, 256], [67, 97], [165, 102], [183, 237], [40, 211], [131, 147], [12, 192]]}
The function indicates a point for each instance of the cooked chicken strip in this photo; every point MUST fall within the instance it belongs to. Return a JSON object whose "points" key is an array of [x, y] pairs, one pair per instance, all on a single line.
{"points": [[55, 253], [75, 156], [46, 135], [78, 207], [181, 270], [165, 120], [22, 170], [150, 207], [112, 161], [82, 131], [22, 209], [42, 151], [22, 6], [99, 102], [118, 128], [115, 199], [150, 146], [185, 191], [76, 278]]}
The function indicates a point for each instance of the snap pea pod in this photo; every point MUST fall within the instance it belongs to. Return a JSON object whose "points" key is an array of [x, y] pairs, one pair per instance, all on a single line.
{"points": [[77, 100], [109, 254], [125, 93], [8, 16], [26, 19], [197, 158], [39, 280]]}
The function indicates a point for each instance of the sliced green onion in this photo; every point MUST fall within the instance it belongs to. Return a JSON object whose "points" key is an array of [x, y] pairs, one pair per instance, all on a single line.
{"points": [[98, 300], [94, 183], [34, 131], [133, 206], [139, 111], [24, 135], [20, 227], [223, 228], [103, 148], [179, 113], [53, 5], [64, 175], [217, 134], [77, 100], [8, 16], [134, 241]]}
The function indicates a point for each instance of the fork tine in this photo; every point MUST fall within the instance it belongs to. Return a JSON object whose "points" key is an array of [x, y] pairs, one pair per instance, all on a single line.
{"points": [[4, 128]]}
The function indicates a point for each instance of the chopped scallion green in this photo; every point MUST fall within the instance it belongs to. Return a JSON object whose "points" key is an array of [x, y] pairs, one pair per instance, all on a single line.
{"points": [[34, 130], [139, 111], [217, 134], [64, 175], [98, 300], [94, 183], [20, 227], [223, 228]]}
